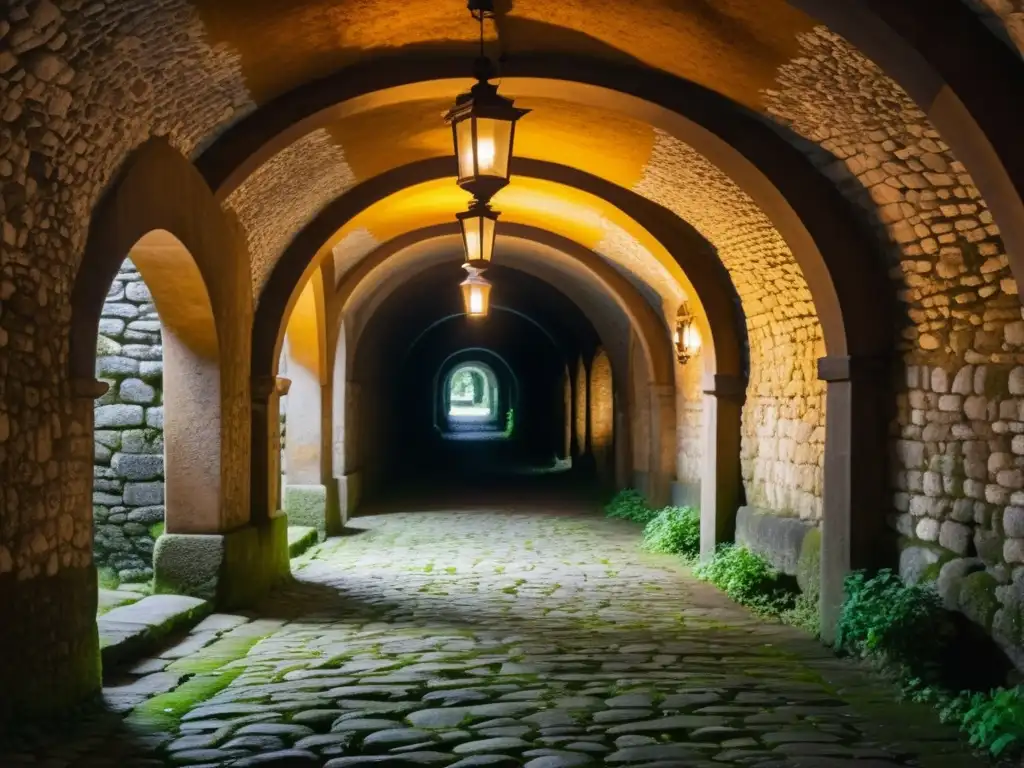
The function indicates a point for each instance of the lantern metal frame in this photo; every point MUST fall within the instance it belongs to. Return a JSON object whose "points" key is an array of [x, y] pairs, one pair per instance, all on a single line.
{"points": [[482, 102], [479, 211], [686, 328], [475, 279]]}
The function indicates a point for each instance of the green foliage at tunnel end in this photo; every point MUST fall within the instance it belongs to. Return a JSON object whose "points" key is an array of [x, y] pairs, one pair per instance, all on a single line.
{"points": [[674, 531], [749, 579], [630, 504]]}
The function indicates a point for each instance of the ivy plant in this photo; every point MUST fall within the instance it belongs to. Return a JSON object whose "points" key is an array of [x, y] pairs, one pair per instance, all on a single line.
{"points": [[674, 531], [630, 504]]}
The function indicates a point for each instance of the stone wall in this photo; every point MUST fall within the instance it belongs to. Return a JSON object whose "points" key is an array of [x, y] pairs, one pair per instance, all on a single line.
{"points": [[128, 487], [602, 415], [958, 431], [580, 416], [783, 434], [689, 430]]}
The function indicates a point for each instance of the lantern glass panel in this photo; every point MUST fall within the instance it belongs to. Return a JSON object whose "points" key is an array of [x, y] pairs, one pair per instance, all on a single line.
{"points": [[493, 146], [691, 338], [476, 294], [478, 237], [464, 148]]}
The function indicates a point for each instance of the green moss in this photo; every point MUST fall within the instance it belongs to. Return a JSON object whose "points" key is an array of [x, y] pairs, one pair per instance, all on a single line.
{"points": [[808, 566], [931, 572], [164, 712], [156, 530], [215, 656], [978, 598], [107, 578]]}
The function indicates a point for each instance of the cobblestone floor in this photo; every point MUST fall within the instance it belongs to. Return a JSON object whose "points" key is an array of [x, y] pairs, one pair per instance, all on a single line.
{"points": [[499, 637]]}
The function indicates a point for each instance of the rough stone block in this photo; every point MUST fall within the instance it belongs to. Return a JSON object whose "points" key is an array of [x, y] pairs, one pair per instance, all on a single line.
{"points": [[955, 537], [142, 441], [151, 370], [778, 539], [118, 416], [977, 598], [950, 579], [155, 417], [120, 309], [916, 557], [138, 291], [111, 326], [138, 466], [188, 564], [1013, 550], [136, 391], [306, 505], [147, 515], [116, 366], [107, 347], [143, 494], [143, 351], [136, 628]]}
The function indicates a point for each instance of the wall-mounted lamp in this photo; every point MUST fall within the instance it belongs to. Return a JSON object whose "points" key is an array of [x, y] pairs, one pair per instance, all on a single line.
{"points": [[686, 336]]}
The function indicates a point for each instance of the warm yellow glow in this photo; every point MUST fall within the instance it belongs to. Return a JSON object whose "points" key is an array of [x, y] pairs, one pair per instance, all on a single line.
{"points": [[565, 211], [691, 339], [472, 244], [476, 300], [485, 155]]}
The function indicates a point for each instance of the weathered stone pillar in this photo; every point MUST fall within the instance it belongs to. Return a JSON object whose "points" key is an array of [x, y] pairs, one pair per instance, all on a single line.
{"points": [[853, 534], [305, 495], [234, 568], [720, 480], [662, 467], [347, 457], [623, 442], [192, 439]]}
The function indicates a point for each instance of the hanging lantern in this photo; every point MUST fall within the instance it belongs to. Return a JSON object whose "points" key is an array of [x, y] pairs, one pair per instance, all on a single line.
{"points": [[686, 336], [478, 224], [476, 293], [483, 125]]}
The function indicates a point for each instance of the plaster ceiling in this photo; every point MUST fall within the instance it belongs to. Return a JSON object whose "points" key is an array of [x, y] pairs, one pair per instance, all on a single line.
{"points": [[578, 216], [731, 46]]}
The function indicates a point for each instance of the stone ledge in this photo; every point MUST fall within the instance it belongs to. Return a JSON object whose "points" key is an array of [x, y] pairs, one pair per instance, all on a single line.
{"points": [[301, 538], [779, 540], [134, 630], [306, 505]]}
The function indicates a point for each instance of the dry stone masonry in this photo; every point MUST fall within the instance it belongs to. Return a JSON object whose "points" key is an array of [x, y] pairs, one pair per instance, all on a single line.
{"points": [[128, 489], [958, 463], [783, 438]]}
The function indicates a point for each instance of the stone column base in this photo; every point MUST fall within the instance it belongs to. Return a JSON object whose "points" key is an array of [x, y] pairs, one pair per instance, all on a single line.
{"points": [[686, 494], [232, 569], [307, 505]]}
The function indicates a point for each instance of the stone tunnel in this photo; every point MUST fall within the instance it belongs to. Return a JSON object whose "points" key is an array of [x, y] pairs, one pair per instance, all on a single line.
{"points": [[754, 259]]}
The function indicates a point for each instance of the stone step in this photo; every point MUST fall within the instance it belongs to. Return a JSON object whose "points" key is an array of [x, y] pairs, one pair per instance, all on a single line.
{"points": [[131, 631], [301, 538]]}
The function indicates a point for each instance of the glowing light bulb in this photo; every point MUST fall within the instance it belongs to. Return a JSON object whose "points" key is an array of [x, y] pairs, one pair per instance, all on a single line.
{"points": [[485, 154], [476, 301]]}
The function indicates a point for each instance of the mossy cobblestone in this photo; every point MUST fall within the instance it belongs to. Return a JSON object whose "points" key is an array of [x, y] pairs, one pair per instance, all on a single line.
{"points": [[441, 638]]}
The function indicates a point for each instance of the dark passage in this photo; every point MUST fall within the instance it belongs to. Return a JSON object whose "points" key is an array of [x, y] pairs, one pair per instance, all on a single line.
{"points": [[465, 401]]}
